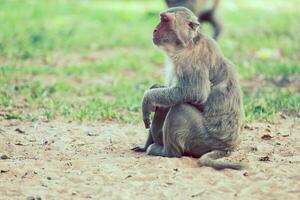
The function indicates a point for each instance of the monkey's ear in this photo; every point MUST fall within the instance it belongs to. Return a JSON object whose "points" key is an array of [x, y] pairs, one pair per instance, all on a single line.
{"points": [[194, 25]]}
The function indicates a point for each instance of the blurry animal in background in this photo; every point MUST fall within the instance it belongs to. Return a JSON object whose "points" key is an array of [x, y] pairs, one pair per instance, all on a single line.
{"points": [[205, 10], [200, 112]]}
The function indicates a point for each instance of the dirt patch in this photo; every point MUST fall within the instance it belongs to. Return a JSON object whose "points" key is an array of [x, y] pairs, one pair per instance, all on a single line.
{"points": [[71, 160]]}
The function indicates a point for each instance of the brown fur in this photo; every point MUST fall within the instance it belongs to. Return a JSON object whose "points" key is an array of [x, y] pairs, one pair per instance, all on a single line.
{"points": [[200, 112]]}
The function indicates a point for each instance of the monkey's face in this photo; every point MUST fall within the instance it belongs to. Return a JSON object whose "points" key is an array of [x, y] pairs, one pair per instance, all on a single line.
{"points": [[164, 33], [176, 28]]}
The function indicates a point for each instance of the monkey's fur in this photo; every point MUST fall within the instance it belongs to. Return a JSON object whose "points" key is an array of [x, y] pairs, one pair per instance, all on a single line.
{"points": [[200, 113], [205, 10]]}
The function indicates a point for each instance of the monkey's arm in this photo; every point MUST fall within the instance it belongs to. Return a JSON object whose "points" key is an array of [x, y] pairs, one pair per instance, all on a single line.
{"points": [[193, 86], [167, 97]]}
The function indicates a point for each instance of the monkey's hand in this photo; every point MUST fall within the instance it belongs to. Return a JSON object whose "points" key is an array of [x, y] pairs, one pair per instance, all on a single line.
{"points": [[147, 108]]}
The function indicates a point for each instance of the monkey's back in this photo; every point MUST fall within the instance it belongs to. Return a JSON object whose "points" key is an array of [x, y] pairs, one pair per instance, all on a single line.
{"points": [[223, 109]]}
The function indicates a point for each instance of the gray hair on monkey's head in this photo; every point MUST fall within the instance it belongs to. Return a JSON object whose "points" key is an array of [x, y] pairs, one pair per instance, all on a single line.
{"points": [[184, 12]]}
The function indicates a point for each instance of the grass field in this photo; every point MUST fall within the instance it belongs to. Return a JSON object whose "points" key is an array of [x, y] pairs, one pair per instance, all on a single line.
{"points": [[72, 76], [92, 60]]}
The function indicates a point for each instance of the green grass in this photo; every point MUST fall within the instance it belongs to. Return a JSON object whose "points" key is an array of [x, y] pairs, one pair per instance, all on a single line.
{"points": [[92, 60]]}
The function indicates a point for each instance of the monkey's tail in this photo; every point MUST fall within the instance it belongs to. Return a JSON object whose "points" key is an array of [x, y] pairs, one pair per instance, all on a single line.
{"points": [[210, 160]]}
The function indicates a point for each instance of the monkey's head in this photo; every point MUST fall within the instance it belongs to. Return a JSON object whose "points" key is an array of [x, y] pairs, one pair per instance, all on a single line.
{"points": [[177, 27]]}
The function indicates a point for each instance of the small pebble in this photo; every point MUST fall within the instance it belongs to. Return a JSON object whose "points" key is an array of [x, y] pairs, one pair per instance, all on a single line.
{"points": [[286, 135], [265, 158], [283, 116], [19, 130], [253, 148], [251, 128], [129, 176], [4, 157], [268, 130], [34, 198], [90, 134], [266, 137]]}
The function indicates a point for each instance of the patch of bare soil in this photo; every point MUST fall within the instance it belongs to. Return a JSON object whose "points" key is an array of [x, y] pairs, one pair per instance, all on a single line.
{"points": [[71, 160]]}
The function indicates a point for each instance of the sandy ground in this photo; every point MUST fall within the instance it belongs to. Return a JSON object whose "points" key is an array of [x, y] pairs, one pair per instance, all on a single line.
{"points": [[71, 160]]}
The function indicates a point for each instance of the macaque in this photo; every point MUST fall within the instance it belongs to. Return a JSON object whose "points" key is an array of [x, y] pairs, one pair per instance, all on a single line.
{"points": [[199, 113], [204, 9]]}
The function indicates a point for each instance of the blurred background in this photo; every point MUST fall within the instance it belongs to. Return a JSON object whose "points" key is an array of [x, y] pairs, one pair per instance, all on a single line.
{"points": [[93, 59]]}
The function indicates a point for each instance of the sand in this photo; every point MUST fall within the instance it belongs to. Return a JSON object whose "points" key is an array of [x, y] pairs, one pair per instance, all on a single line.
{"points": [[72, 160]]}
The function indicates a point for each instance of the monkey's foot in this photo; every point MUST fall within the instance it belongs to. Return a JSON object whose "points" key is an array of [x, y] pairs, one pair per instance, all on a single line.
{"points": [[155, 150], [139, 149]]}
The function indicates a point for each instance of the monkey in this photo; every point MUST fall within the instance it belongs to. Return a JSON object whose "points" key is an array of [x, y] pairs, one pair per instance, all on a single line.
{"points": [[200, 112], [204, 9]]}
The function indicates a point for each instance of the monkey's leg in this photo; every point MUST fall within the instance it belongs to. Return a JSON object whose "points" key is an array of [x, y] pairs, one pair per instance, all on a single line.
{"points": [[155, 131], [217, 27], [210, 18], [156, 150], [169, 150], [175, 132]]}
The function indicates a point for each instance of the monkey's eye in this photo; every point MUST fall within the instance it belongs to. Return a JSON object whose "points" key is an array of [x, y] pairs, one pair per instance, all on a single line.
{"points": [[193, 25]]}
